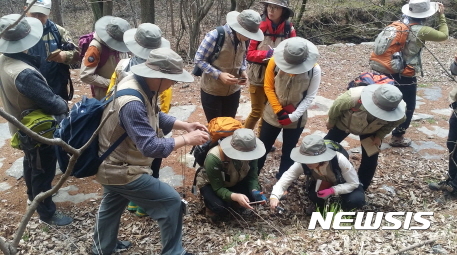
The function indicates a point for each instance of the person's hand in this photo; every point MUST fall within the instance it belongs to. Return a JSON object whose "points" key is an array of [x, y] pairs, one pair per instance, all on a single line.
{"points": [[59, 58], [284, 120], [273, 203], [228, 79], [377, 141], [259, 196], [245, 76], [241, 199], [329, 126], [440, 8], [325, 193], [189, 127], [281, 113], [196, 137], [289, 108]]}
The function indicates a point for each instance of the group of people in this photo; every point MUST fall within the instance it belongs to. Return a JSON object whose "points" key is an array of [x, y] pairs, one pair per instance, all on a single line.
{"points": [[263, 51]]}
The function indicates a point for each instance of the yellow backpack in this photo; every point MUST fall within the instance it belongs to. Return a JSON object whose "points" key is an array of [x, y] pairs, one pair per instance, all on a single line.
{"points": [[221, 127], [40, 123]]}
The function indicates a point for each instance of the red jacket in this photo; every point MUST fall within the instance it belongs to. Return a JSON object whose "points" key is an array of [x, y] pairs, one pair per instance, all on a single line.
{"points": [[258, 56]]}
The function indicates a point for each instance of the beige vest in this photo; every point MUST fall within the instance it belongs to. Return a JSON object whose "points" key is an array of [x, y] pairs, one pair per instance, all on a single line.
{"points": [[325, 174], [228, 61], [412, 50], [126, 163], [289, 90], [13, 101], [356, 122], [236, 175], [256, 71]]}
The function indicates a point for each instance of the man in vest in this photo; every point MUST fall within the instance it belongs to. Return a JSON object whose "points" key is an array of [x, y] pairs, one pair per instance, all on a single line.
{"points": [[55, 49], [221, 79], [24, 88], [104, 53], [126, 174], [371, 112]]}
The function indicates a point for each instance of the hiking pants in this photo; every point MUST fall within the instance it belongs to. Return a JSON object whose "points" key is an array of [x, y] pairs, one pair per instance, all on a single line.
{"points": [[219, 206], [290, 137], [408, 87], [367, 165], [258, 101], [349, 202], [451, 143], [39, 171], [158, 199], [220, 106]]}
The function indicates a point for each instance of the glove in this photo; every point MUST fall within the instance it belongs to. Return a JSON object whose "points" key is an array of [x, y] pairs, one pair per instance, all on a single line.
{"points": [[324, 194], [259, 196], [289, 108], [284, 120], [281, 113], [269, 53]]}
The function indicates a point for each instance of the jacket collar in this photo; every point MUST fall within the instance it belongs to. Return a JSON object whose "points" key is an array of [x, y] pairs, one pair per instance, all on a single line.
{"points": [[144, 86], [24, 57]]}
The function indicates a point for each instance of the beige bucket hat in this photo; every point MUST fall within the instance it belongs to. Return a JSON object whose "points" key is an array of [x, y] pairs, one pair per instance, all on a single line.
{"points": [[312, 150], [140, 41], [296, 55], [243, 145], [384, 102], [111, 30], [21, 37], [246, 23]]}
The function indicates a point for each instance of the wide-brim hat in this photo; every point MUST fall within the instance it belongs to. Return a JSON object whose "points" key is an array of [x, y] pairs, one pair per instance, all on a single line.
{"points": [[163, 63], [384, 102], [111, 30], [296, 55], [21, 37], [420, 8], [140, 41], [312, 150], [41, 6], [243, 145], [282, 3], [246, 23]]}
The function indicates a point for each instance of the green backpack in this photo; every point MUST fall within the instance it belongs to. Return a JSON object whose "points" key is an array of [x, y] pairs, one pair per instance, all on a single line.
{"points": [[40, 123]]}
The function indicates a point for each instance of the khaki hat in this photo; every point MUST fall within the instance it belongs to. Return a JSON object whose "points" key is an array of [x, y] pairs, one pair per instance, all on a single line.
{"points": [[282, 3], [384, 102], [246, 23], [163, 63], [111, 30], [296, 55], [140, 41], [420, 8], [243, 145], [21, 37], [40, 6], [312, 150]]}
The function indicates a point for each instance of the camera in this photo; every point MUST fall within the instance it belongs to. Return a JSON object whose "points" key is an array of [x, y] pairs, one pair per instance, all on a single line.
{"points": [[184, 206]]}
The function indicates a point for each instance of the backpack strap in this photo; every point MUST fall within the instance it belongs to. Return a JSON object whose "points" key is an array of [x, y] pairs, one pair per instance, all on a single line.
{"points": [[123, 92], [219, 43], [56, 34], [337, 170], [224, 159], [310, 75]]}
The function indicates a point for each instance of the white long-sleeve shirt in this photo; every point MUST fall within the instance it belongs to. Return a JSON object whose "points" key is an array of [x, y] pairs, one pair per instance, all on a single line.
{"points": [[347, 170]]}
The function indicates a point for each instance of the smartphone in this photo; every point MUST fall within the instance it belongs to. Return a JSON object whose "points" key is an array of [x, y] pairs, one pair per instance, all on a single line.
{"points": [[53, 54], [242, 78]]}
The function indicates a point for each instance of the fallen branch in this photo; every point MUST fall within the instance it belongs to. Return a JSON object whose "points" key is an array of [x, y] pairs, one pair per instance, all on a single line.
{"points": [[414, 246]]}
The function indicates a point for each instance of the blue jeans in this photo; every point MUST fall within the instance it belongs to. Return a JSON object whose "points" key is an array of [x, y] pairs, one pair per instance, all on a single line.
{"points": [[159, 200]]}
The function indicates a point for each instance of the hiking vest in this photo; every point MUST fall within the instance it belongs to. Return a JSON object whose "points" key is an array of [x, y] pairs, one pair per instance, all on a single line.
{"points": [[355, 122], [256, 71], [13, 101], [289, 90], [325, 174], [412, 50], [236, 175], [229, 61], [126, 163]]}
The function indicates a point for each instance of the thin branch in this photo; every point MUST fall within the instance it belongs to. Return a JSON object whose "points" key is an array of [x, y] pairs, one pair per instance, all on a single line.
{"points": [[20, 18], [414, 246]]}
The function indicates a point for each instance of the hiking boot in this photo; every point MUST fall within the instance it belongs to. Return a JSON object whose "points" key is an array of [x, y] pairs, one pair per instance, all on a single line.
{"points": [[442, 185], [122, 246], [400, 141], [58, 219], [140, 212], [132, 207]]}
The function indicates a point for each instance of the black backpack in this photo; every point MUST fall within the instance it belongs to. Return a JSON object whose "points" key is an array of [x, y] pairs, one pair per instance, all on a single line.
{"points": [[334, 161], [215, 54]]}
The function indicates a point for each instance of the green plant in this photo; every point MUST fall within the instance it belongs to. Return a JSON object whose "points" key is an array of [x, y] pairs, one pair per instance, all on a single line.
{"points": [[26, 237], [415, 124], [423, 85], [431, 121], [45, 229]]}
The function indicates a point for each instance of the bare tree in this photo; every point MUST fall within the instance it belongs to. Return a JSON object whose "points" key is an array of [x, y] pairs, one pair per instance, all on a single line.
{"points": [[194, 13], [101, 8], [243, 4], [147, 11], [56, 13], [299, 16], [172, 20], [232, 5]]}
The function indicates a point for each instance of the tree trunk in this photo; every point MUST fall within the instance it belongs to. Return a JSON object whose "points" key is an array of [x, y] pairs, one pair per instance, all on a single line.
{"points": [[108, 8], [97, 9], [56, 13], [383, 2], [299, 16], [172, 20], [242, 5], [232, 5], [147, 11]]}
